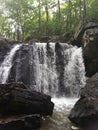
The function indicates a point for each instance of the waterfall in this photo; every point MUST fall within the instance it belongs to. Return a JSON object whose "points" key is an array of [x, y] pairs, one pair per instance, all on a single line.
{"points": [[7, 64], [56, 69]]}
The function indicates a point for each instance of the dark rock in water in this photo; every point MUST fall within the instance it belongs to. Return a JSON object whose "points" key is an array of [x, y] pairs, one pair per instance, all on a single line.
{"points": [[86, 108], [19, 100], [21, 122], [22, 108], [92, 125]]}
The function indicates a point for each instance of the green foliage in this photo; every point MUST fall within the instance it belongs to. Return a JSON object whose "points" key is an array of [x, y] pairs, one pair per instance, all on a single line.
{"points": [[20, 19]]}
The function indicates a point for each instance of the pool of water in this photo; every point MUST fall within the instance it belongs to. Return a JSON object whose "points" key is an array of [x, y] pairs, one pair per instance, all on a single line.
{"points": [[59, 120]]}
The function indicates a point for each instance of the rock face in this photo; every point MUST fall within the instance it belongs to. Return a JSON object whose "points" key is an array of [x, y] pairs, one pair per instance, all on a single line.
{"points": [[86, 108], [86, 35], [90, 44], [22, 108]]}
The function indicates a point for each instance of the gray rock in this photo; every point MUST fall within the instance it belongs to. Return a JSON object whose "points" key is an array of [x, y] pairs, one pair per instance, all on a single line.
{"points": [[86, 36], [91, 88], [86, 108], [20, 100]]}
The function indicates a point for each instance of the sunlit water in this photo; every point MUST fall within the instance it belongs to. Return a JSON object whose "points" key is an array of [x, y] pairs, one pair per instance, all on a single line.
{"points": [[59, 119]]}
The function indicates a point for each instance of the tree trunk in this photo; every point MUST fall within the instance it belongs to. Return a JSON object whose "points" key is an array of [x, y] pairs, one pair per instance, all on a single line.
{"points": [[69, 14], [80, 9], [47, 18], [59, 10], [84, 6], [39, 19]]}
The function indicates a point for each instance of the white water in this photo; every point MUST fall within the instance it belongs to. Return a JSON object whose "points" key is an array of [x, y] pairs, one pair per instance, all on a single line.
{"points": [[54, 69], [47, 76], [63, 103], [74, 73], [7, 64], [50, 78], [45, 68]]}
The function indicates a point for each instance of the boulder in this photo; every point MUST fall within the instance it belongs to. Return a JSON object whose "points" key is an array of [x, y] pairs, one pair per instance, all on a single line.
{"points": [[20, 100], [91, 88], [86, 36], [29, 122], [90, 50], [21, 108], [83, 27], [85, 111]]}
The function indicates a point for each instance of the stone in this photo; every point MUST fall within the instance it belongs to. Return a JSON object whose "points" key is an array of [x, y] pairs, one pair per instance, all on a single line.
{"points": [[22, 108], [90, 51], [86, 108], [20, 100], [91, 88], [29, 122], [86, 36]]}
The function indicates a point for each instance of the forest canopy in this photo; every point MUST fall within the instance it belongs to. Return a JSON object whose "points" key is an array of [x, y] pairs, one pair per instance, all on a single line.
{"points": [[20, 19]]}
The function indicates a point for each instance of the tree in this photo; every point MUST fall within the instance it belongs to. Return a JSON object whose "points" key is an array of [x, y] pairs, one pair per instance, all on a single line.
{"points": [[25, 19]]}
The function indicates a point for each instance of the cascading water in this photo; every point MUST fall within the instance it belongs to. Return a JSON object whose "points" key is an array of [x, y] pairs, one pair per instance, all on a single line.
{"points": [[56, 69], [7, 64]]}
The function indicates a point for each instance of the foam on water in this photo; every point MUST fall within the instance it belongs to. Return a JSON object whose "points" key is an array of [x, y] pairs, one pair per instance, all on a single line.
{"points": [[64, 103]]}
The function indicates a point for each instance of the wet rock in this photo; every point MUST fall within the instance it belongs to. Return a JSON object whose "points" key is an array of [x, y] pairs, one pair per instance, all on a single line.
{"points": [[92, 125], [86, 108], [21, 108], [29, 122], [19, 100]]}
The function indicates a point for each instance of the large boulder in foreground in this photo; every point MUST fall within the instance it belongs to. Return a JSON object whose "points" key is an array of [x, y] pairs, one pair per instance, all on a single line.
{"points": [[20, 100], [22, 108], [85, 110]]}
